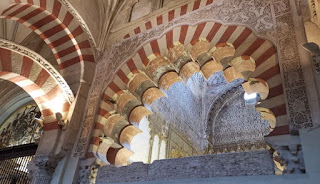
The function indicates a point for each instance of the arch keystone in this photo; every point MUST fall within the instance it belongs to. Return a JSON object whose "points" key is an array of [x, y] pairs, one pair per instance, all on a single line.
{"points": [[128, 133], [210, 68], [138, 113], [151, 95], [126, 102], [231, 74], [188, 70], [178, 56], [139, 83]]}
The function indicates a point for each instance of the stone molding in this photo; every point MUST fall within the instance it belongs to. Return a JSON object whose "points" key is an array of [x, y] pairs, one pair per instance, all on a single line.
{"points": [[88, 174]]}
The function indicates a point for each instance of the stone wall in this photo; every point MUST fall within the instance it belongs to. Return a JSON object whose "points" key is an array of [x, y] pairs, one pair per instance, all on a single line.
{"points": [[232, 164]]}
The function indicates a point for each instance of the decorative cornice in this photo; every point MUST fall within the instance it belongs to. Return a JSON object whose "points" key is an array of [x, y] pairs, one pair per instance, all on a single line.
{"points": [[42, 62]]}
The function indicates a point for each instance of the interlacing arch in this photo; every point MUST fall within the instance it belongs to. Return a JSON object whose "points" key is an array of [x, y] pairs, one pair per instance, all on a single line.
{"points": [[43, 83], [206, 49], [52, 21]]}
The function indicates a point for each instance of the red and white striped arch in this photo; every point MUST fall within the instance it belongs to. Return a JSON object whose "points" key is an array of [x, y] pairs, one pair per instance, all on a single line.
{"points": [[37, 82], [243, 39], [52, 21], [245, 42]]}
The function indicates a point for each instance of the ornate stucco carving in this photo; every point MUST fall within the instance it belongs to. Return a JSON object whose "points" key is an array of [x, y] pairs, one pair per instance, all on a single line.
{"points": [[235, 126], [268, 19], [294, 84], [21, 128], [42, 62]]}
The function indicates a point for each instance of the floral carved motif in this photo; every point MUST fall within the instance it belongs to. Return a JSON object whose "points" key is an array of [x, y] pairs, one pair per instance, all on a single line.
{"points": [[294, 84], [22, 129]]}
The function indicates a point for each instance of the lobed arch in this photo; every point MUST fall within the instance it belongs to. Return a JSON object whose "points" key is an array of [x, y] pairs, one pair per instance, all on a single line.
{"points": [[245, 41], [175, 58], [63, 33], [45, 85]]}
